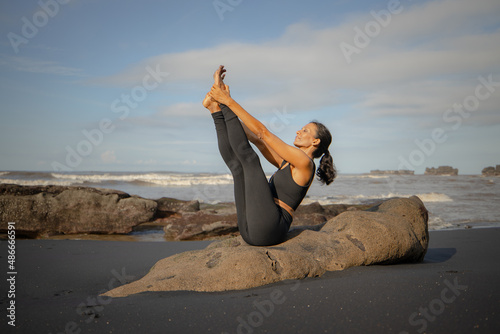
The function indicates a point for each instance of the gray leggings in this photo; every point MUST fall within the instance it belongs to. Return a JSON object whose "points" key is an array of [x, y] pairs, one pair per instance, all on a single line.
{"points": [[260, 221]]}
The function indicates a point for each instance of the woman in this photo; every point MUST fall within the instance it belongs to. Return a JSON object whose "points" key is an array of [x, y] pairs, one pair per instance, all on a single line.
{"points": [[265, 208]]}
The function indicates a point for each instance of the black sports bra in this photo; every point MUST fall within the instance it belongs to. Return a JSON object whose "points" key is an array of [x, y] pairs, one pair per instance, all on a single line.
{"points": [[286, 189]]}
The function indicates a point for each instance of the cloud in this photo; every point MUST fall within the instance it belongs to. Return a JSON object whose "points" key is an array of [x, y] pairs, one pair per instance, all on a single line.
{"points": [[109, 157], [424, 59], [147, 162], [188, 109], [25, 64]]}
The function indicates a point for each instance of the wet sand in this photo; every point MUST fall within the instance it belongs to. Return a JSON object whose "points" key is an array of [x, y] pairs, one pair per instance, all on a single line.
{"points": [[455, 290]]}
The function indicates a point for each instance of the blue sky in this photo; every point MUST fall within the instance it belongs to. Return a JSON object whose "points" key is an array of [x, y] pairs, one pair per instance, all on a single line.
{"points": [[114, 85]]}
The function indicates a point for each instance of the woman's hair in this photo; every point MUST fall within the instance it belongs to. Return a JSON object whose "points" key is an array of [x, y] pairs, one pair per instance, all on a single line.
{"points": [[326, 171]]}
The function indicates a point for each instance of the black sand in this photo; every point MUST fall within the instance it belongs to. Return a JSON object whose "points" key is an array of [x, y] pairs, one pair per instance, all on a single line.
{"points": [[455, 290]]}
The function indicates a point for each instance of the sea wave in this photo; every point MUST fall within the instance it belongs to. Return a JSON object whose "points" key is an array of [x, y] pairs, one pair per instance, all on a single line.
{"points": [[363, 199], [368, 176], [39, 182], [167, 179], [27, 175], [362, 176], [436, 223], [434, 197]]}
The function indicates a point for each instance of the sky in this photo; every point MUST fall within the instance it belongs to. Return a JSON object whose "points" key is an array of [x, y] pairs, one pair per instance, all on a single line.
{"points": [[117, 85]]}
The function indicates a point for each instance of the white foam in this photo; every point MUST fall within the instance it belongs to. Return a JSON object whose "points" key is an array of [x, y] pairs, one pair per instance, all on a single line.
{"points": [[359, 199], [179, 180], [368, 176], [187, 181], [436, 223], [39, 182], [434, 197]]}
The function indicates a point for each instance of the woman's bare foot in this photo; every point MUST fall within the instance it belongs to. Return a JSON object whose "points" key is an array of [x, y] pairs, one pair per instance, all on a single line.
{"points": [[210, 104], [219, 76]]}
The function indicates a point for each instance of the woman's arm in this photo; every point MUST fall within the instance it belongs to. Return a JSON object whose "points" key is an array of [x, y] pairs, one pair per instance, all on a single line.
{"points": [[266, 151], [296, 157]]}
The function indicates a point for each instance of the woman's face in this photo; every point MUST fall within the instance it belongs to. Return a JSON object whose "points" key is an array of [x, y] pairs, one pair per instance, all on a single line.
{"points": [[306, 136]]}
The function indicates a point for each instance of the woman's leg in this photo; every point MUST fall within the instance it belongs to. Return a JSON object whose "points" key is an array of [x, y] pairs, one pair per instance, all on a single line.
{"points": [[261, 222], [236, 169]]}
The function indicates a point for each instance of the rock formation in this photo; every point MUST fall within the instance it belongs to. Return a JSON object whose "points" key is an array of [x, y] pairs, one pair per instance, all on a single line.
{"points": [[48, 210], [392, 232], [491, 171], [44, 211], [441, 170]]}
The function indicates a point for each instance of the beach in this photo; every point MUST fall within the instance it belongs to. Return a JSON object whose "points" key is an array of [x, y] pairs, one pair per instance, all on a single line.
{"points": [[58, 283]]}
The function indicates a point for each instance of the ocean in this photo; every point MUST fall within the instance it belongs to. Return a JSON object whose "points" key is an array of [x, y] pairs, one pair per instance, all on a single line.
{"points": [[454, 202]]}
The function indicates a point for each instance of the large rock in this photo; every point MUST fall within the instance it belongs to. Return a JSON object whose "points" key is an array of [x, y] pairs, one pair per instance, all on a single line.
{"points": [[201, 225], [441, 170], [172, 206], [491, 171], [49, 210], [315, 213], [392, 232]]}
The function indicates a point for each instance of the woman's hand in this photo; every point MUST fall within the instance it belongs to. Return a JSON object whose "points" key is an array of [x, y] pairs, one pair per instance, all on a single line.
{"points": [[220, 95]]}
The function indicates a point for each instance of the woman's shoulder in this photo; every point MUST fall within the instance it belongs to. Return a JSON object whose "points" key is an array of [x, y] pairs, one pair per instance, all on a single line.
{"points": [[302, 177]]}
